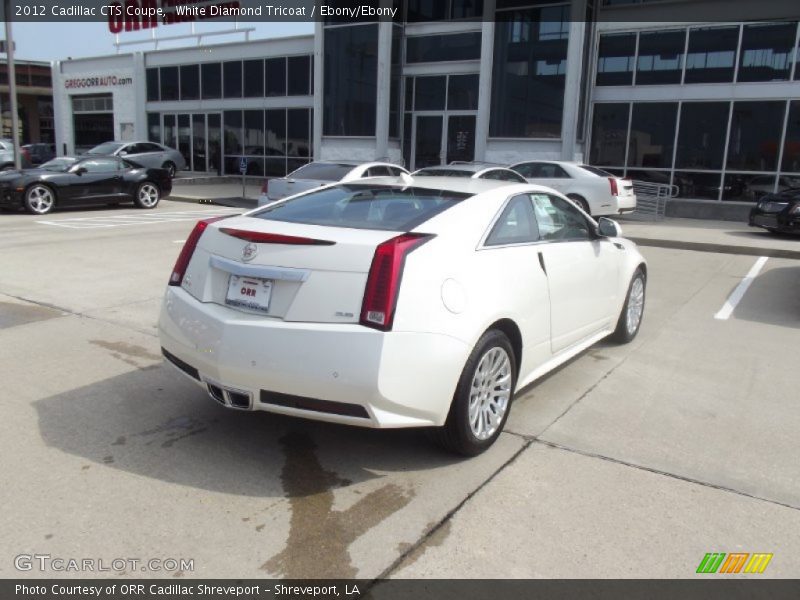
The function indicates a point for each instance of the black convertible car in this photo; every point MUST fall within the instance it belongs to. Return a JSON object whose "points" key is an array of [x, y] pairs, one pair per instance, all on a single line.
{"points": [[778, 213], [67, 181]]}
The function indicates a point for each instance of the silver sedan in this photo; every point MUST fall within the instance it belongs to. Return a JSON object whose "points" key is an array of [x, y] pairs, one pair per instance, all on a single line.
{"points": [[146, 154]]}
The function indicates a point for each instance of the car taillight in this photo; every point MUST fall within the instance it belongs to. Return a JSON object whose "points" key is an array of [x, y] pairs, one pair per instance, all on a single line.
{"points": [[185, 256], [265, 186], [613, 182], [258, 237], [383, 282]]}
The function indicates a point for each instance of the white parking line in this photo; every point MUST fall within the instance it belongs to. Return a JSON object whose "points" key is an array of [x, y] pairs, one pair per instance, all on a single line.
{"points": [[106, 221], [737, 294]]}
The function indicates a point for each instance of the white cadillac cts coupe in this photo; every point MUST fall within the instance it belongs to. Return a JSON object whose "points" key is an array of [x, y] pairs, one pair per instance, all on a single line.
{"points": [[422, 302]]}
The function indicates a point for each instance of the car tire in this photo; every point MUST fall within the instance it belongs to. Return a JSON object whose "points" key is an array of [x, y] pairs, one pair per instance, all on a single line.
{"points": [[171, 168], [491, 370], [39, 199], [630, 319], [580, 201], [147, 195]]}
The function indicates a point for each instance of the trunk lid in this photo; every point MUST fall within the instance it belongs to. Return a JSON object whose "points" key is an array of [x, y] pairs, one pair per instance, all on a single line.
{"points": [[318, 276], [281, 188]]}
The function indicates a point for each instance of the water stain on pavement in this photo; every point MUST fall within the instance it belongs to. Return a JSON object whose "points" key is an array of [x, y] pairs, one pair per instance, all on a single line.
{"points": [[319, 537], [129, 353], [13, 314], [436, 539]]}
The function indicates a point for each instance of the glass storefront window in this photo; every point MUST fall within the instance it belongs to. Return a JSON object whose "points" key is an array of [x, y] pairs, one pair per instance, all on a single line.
{"points": [[765, 52], [299, 75], [430, 92], [275, 76], [275, 132], [440, 10], [442, 48], [704, 186], [615, 59], [791, 145], [169, 83], [190, 82], [609, 133], [701, 137], [462, 92], [747, 188], [712, 54], [660, 57], [755, 135], [232, 79], [528, 78], [232, 140], [253, 78], [151, 76], [211, 75], [153, 127], [351, 80], [298, 141], [652, 136]]}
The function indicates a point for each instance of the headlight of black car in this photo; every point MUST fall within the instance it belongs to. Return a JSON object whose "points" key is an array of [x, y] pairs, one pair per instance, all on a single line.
{"points": [[795, 210]]}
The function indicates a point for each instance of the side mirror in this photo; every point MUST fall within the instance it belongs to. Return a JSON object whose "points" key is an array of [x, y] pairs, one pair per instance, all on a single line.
{"points": [[608, 227], [80, 171]]}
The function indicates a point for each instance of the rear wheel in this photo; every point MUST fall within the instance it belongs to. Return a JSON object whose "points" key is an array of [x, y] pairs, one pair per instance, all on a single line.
{"points": [[170, 167], [147, 195], [631, 317], [580, 201], [483, 397], [39, 199]]}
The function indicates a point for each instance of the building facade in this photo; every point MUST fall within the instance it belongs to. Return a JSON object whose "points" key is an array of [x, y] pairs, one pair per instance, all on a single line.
{"points": [[710, 107], [34, 102]]}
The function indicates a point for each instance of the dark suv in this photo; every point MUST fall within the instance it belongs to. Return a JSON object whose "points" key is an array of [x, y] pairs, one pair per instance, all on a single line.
{"points": [[778, 213], [40, 153]]}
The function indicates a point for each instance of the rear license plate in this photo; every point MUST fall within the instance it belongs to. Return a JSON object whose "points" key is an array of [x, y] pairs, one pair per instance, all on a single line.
{"points": [[249, 292]]}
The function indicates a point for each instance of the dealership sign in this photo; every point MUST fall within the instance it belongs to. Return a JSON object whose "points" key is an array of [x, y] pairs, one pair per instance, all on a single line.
{"points": [[102, 81], [134, 15]]}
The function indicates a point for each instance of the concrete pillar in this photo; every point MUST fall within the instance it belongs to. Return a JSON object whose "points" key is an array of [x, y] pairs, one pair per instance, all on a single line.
{"points": [[384, 87], [572, 87], [485, 83], [140, 89], [319, 68]]}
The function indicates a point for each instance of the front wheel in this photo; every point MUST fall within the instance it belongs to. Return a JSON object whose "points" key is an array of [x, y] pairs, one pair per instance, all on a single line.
{"points": [[631, 317], [39, 199], [147, 195], [483, 397]]}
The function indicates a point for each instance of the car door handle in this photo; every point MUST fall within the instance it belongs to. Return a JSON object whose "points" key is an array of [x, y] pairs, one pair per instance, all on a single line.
{"points": [[541, 263]]}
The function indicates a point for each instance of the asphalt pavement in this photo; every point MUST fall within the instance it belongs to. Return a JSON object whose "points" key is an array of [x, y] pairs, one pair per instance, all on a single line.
{"points": [[629, 461]]}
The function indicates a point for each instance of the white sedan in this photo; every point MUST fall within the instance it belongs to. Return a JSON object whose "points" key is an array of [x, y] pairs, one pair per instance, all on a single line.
{"points": [[421, 303], [596, 191]]}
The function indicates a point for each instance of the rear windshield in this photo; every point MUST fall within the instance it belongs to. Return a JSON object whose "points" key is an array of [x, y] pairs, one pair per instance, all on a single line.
{"points": [[444, 173], [596, 171], [363, 206], [321, 172]]}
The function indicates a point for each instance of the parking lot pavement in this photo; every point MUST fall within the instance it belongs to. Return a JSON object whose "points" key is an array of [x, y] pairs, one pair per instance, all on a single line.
{"points": [[681, 443]]}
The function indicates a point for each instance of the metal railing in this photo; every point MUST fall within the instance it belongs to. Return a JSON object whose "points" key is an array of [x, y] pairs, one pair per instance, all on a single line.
{"points": [[651, 199]]}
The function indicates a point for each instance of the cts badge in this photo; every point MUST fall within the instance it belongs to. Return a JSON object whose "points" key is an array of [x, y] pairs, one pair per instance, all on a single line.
{"points": [[249, 252]]}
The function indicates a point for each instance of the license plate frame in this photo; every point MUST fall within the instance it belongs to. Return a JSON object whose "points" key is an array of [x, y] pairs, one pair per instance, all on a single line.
{"points": [[250, 293]]}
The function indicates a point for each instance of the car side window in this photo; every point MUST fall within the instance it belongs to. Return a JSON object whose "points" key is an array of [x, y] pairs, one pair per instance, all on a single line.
{"points": [[509, 175], [551, 171], [378, 171], [146, 147], [100, 165], [557, 219], [527, 169], [495, 174], [516, 225]]}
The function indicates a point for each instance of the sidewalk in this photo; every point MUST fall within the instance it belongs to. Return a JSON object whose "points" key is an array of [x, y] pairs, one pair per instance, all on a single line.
{"points": [[702, 235], [711, 236]]}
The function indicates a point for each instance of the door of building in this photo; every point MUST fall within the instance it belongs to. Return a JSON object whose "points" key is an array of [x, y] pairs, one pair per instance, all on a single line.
{"points": [[439, 139], [197, 136]]}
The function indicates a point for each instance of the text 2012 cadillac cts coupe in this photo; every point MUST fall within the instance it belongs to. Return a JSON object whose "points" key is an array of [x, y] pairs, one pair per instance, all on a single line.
{"points": [[425, 302]]}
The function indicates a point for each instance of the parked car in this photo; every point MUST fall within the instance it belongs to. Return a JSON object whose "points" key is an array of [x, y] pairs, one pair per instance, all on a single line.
{"points": [[321, 173], [761, 185], [778, 213], [7, 156], [69, 181], [391, 304], [596, 191], [147, 154], [40, 153], [473, 170]]}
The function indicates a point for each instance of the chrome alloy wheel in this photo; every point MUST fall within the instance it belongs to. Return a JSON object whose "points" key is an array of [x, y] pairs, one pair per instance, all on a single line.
{"points": [[40, 199], [489, 393], [148, 195], [635, 305]]}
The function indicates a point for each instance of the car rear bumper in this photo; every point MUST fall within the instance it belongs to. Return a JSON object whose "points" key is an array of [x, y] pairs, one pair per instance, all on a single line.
{"points": [[775, 221], [626, 204], [343, 373]]}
